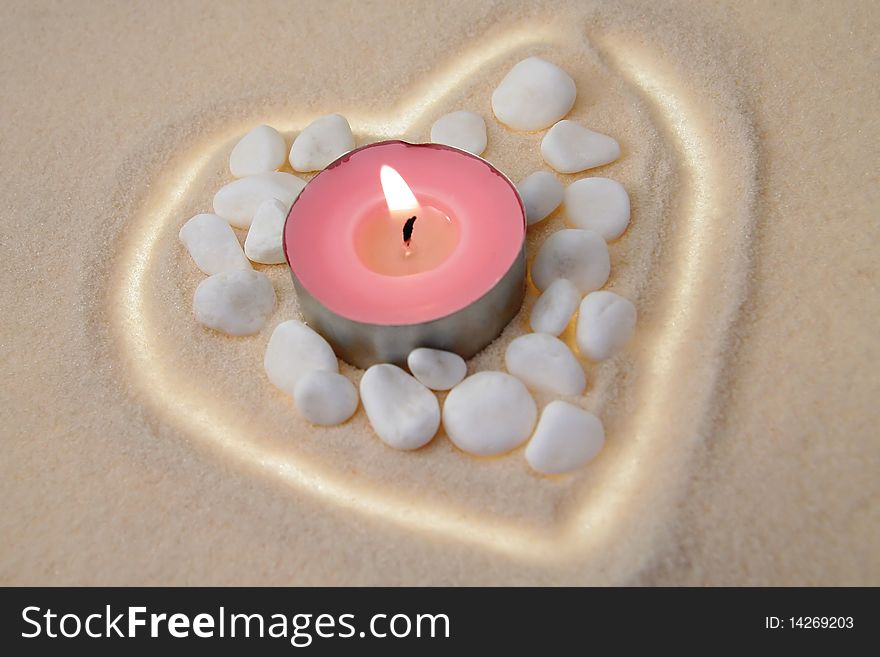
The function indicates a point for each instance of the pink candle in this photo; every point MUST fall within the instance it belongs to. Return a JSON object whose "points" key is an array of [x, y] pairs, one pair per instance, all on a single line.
{"points": [[396, 246]]}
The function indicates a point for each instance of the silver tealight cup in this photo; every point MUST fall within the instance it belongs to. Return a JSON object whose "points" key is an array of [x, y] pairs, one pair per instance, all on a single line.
{"points": [[465, 331]]}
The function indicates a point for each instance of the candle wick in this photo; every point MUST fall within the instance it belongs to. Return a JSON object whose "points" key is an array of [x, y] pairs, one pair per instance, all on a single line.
{"points": [[408, 230]]}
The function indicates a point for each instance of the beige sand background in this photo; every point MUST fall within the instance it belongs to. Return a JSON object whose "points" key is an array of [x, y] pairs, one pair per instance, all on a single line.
{"points": [[743, 441]]}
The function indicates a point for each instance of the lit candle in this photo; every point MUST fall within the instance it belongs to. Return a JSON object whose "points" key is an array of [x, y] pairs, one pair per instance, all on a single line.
{"points": [[408, 238], [396, 246]]}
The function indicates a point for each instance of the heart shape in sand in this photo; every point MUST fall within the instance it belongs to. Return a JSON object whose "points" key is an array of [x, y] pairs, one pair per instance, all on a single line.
{"points": [[684, 268]]}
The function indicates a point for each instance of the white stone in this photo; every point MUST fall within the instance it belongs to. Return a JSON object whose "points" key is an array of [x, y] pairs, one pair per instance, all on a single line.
{"points": [[264, 241], [259, 151], [464, 130], [606, 322], [325, 398], [545, 363], [212, 244], [535, 94], [553, 310], [567, 437], [293, 351], [569, 147], [489, 413], [579, 255], [321, 142], [236, 302], [435, 368], [541, 193], [403, 412], [237, 202], [600, 204]]}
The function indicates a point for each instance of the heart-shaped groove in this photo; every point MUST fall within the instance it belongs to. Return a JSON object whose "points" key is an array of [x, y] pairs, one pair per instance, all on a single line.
{"points": [[696, 303]]}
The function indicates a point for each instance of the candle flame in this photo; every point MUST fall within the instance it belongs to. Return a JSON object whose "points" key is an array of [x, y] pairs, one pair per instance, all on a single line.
{"points": [[398, 195]]}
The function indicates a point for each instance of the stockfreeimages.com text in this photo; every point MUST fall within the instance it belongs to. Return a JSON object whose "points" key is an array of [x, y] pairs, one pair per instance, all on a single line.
{"points": [[299, 629]]}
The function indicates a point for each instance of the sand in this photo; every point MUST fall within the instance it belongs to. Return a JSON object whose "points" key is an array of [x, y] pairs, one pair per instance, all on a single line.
{"points": [[140, 448]]}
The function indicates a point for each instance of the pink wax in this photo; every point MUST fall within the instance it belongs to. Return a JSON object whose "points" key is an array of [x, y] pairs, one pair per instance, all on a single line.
{"points": [[334, 235], [381, 245]]}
